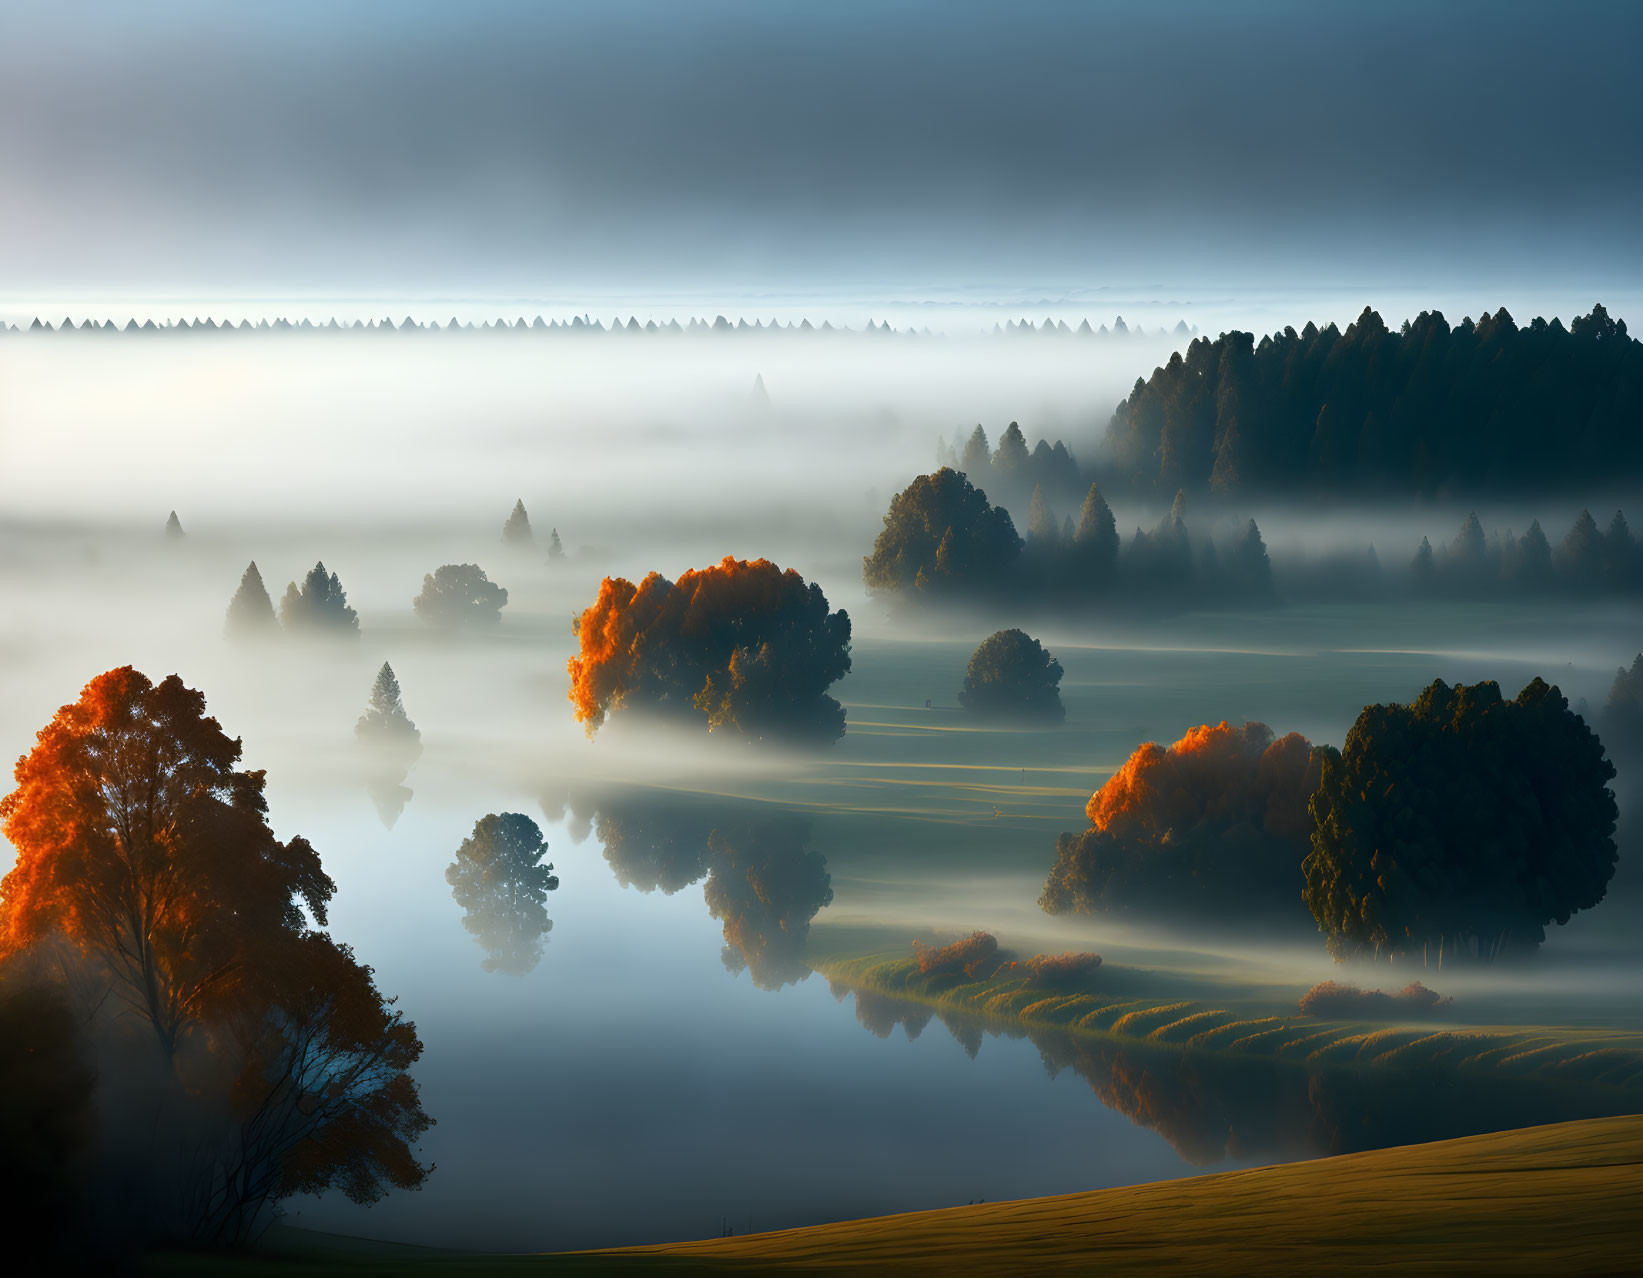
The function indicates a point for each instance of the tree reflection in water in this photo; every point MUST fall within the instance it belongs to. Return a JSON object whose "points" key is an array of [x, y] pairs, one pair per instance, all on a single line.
{"points": [[764, 883]]}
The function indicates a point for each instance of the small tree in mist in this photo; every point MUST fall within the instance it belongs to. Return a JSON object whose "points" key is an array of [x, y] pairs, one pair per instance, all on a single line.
{"points": [[455, 595], [393, 744], [174, 527], [517, 530], [502, 886], [251, 611], [977, 455], [556, 548], [319, 606], [1011, 676], [385, 722]]}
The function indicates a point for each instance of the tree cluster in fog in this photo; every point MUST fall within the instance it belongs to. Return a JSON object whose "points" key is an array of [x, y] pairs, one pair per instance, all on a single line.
{"points": [[256, 1059], [502, 885], [1011, 676], [739, 647], [943, 540], [1461, 824], [1430, 410], [1211, 828], [1012, 471], [764, 882], [1588, 560], [317, 607]]}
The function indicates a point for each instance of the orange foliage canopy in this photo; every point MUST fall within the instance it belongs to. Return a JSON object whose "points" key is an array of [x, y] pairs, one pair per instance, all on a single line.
{"points": [[1215, 774], [741, 644], [143, 846], [140, 843]]}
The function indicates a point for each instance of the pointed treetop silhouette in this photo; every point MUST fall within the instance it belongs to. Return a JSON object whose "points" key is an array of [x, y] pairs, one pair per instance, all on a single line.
{"points": [[320, 606], [385, 721], [517, 530], [556, 548], [251, 611], [174, 527]]}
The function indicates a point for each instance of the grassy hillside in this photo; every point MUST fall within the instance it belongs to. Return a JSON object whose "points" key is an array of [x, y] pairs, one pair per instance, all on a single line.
{"points": [[1115, 1004], [1564, 1199]]}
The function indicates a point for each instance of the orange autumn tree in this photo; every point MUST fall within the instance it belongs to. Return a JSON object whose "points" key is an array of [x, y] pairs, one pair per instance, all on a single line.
{"points": [[741, 646], [145, 860], [1213, 826]]}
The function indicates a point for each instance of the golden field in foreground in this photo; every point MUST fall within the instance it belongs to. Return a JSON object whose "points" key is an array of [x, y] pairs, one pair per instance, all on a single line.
{"points": [[1563, 1199]]}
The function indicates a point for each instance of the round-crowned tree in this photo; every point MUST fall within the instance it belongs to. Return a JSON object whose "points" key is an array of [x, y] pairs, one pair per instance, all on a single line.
{"points": [[942, 536], [456, 595], [1461, 824], [742, 647], [1011, 676], [502, 885]]}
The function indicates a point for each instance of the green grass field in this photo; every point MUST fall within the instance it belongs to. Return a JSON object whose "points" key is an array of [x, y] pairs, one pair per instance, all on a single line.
{"points": [[1565, 1199]]}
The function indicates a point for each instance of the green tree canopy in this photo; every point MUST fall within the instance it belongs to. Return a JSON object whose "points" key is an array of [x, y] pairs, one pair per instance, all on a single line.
{"points": [[1463, 822], [456, 595], [942, 536], [1010, 675]]}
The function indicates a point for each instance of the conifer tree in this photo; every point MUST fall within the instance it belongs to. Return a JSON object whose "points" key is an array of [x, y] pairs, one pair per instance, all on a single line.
{"points": [[556, 549], [1097, 535], [1041, 525], [174, 527], [251, 611], [517, 530], [385, 721], [977, 455]]}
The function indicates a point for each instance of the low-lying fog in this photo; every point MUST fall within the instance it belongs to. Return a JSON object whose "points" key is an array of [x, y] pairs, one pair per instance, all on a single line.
{"points": [[629, 1087]]}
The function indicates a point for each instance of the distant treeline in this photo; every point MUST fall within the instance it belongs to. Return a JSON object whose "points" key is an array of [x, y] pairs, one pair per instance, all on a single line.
{"points": [[1432, 409], [579, 324]]}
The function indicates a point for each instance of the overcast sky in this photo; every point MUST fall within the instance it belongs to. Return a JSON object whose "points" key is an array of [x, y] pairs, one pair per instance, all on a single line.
{"points": [[543, 149]]}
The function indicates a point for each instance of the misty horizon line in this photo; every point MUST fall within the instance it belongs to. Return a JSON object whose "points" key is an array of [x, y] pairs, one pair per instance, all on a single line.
{"points": [[579, 324]]}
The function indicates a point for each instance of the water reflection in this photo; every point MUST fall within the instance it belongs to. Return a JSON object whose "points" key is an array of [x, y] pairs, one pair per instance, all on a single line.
{"points": [[1217, 1107], [500, 882], [764, 883], [391, 743]]}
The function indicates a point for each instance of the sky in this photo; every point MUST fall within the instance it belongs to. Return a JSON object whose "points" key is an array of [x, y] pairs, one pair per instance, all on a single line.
{"points": [[577, 150]]}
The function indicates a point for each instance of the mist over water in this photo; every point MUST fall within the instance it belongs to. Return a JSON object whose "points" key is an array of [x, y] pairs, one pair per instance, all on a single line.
{"points": [[644, 1080]]}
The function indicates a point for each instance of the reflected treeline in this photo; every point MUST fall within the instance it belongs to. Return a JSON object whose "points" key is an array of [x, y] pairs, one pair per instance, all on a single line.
{"points": [[1213, 1107], [764, 883]]}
